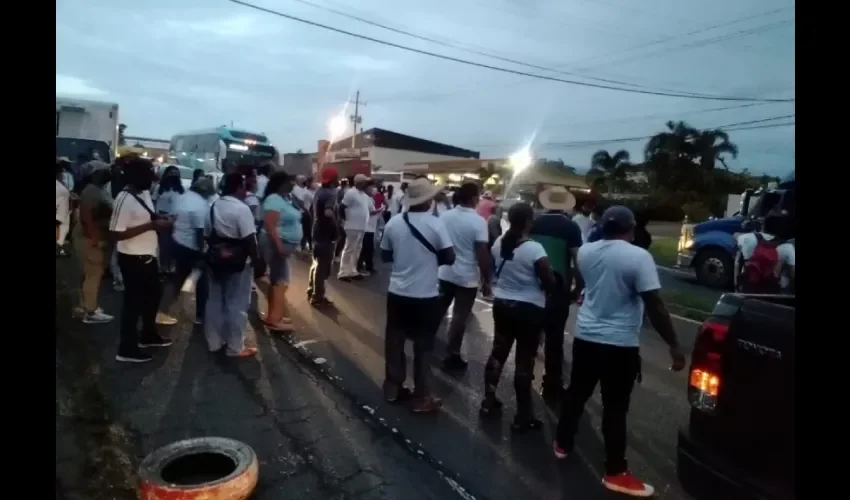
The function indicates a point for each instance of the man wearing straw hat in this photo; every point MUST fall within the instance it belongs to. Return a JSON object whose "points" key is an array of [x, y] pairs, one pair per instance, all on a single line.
{"points": [[416, 243], [561, 238]]}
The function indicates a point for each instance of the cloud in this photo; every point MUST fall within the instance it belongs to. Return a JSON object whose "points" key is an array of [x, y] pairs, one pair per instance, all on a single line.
{"points": [[73, 86]]}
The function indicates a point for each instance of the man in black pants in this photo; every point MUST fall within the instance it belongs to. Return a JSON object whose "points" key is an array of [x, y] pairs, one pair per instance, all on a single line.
{"points": [[325, 233], [621, 279], [561, 237], [134, 225]]}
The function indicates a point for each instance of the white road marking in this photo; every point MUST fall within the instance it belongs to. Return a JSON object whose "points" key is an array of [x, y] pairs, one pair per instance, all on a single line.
{"points": [[303, 343]]}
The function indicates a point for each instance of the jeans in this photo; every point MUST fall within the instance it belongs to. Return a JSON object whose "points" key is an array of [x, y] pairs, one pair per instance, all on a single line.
{"points": [[166, 252], [227, 310], [415, 319], [519, 322], [350, 253], [307, 227], [320, 269], [113, 265], [616, 369], [142, 293], [464, 299], [186, 260], [366, 261], [557, 313]]}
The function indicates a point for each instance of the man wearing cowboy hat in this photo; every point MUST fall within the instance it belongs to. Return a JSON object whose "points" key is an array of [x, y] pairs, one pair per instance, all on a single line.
{"points": [[561, 238], [416, 243]]}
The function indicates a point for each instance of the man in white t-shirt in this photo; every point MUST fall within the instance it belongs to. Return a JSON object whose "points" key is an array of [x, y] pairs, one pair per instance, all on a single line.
{"points": [[355, 212], [621, 281], [63, 210], [584, 220], [472, 267], [134, 226], [416, 243], [263, 172], [366, 262]]}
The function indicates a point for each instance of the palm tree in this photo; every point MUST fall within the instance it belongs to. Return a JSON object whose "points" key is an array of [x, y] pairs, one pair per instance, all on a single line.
{"points": [[607, 169], [709, 145]]}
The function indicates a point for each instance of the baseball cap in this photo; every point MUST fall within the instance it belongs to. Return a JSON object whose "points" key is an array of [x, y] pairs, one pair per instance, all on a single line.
{"points": [[329, 174], [361, 178], [617, 219]]}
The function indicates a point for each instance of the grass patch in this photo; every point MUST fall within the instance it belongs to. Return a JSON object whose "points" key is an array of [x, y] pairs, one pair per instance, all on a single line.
{"points": [[664, 250], [685, 304]]}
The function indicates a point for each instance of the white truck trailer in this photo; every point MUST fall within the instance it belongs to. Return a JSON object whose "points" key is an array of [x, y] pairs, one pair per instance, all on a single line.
{"points": [[86, 129]]}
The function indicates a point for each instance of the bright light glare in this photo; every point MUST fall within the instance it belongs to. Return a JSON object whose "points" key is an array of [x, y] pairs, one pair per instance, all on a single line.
{"points": [[337, 127], [520, 160]]}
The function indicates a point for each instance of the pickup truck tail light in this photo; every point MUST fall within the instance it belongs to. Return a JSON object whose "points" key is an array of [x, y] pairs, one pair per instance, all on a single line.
{"points": [[705, 379]]}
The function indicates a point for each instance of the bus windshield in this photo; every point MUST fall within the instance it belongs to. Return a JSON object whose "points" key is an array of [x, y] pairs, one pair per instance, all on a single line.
{"points": [[244, 154], [75, 149]]}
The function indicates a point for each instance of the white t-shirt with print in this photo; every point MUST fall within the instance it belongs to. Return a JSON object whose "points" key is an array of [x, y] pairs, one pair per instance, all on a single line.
{"points": [[414, 269], [127, 213], [786, 252], [517, 278], [465, 228], [356, 209], [191, 214]]}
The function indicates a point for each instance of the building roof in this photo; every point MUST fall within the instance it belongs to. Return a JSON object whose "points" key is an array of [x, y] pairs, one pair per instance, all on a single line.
{"points": [[378, 137]]}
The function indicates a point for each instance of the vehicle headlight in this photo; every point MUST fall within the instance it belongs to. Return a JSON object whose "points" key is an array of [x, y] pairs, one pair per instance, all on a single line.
{"points": [[688, 244]]}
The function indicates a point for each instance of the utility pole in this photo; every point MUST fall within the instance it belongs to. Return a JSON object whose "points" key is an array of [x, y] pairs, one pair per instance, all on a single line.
{"points": [[356, 119]]}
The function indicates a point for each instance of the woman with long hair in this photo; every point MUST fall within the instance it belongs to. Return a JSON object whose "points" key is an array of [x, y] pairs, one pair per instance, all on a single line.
{"points": [[167, 192], [279, 238], [522, 273]]}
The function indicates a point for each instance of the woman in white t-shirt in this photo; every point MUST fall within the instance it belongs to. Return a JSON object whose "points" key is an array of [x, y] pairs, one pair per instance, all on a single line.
{"points": [[522, 273], [167, 193]]}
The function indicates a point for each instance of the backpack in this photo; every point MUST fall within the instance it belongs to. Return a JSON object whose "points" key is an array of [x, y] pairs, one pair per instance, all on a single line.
{"points": [[759, 274]]}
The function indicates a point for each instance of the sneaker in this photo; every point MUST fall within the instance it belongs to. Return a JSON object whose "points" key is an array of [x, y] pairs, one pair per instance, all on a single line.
{"points": [[426, 404], [627, 484], [165, 319], [118, 286], [97, 316], [244, 353], [155, 342], [490, 406], [323, 301], [133, 357], [560, 453]]}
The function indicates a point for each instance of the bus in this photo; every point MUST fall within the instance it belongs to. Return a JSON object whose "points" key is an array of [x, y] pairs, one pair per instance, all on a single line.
{"points": [[221, 148]]}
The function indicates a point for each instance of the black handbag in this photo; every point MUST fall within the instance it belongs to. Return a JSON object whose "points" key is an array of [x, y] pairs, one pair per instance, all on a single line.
{"points": [[224, 255]]}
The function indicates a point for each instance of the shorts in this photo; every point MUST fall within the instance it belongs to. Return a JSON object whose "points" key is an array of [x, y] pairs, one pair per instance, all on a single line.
{"points": [[278, 265]]}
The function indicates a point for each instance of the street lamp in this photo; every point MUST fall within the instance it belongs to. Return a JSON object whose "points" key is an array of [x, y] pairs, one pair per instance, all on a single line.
{"points": [[520, 160], [337, 127]]}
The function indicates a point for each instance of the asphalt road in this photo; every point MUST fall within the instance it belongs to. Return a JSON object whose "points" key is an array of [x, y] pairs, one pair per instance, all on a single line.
{"points": [[312, 408], [484, 458]]}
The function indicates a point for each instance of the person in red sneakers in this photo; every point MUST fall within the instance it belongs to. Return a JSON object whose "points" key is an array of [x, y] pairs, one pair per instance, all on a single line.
{"points": [[621, 280]]}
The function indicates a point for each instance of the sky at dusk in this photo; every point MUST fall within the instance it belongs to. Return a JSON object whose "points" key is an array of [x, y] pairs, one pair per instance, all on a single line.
{"points": [[174, 66]]}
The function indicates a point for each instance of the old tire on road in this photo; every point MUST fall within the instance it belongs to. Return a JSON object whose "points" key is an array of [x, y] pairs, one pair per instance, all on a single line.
{"points": [[201, 468]]}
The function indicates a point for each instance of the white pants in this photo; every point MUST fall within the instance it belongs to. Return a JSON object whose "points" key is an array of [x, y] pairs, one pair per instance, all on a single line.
{"points": [[63, 229], [350, 253]]}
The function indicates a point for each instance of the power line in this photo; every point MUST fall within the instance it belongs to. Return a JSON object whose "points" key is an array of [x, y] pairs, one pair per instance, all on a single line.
{"points": [[497, 68], [454, 44]]}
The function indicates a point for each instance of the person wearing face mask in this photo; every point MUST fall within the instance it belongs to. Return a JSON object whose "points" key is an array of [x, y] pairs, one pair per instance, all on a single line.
{"points": [[134, 225]]}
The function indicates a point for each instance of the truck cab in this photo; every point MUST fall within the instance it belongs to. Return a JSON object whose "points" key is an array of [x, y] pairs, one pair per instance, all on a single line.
{"points": [[710, 247]]}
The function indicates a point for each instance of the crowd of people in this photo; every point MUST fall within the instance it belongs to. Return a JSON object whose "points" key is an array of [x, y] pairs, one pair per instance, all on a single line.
{"points": [[442, 250]]}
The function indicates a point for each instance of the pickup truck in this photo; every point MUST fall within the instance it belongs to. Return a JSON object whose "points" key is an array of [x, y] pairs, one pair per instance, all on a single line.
{"points": [[738, 443]]}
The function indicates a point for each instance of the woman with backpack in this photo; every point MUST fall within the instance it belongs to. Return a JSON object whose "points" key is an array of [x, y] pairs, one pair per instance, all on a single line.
{"points": [[232, 250]]}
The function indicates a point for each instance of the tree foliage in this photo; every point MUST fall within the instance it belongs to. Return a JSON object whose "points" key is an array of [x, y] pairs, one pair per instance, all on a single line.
{"points": [[121, 139]]}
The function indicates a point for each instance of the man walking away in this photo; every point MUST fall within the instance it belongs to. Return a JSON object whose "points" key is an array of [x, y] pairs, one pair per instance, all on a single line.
{"points": [[621, 279], [472, 266], [416, 243], [344, 186], [355, 212], [134, 225], [583, 218], [766, 261], [561, 238], [325, 234], [366, 260]]}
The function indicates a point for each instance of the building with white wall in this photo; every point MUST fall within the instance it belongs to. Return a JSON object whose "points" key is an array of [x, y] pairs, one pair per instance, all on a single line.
{"points": [[390, 151]]}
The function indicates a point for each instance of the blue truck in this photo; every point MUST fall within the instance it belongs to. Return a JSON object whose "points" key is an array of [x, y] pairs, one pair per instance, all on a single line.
{"points": [[709, 248]]}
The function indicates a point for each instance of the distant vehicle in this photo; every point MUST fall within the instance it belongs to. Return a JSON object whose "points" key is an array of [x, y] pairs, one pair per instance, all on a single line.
{"points": [[217, 149], [710, 247], [739, 439], [393, 178], [86, 128], [185, 174]]}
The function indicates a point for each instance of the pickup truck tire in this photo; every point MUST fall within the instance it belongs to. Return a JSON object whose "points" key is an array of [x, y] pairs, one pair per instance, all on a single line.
{"points": [[714, 268], [199, 468]]}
